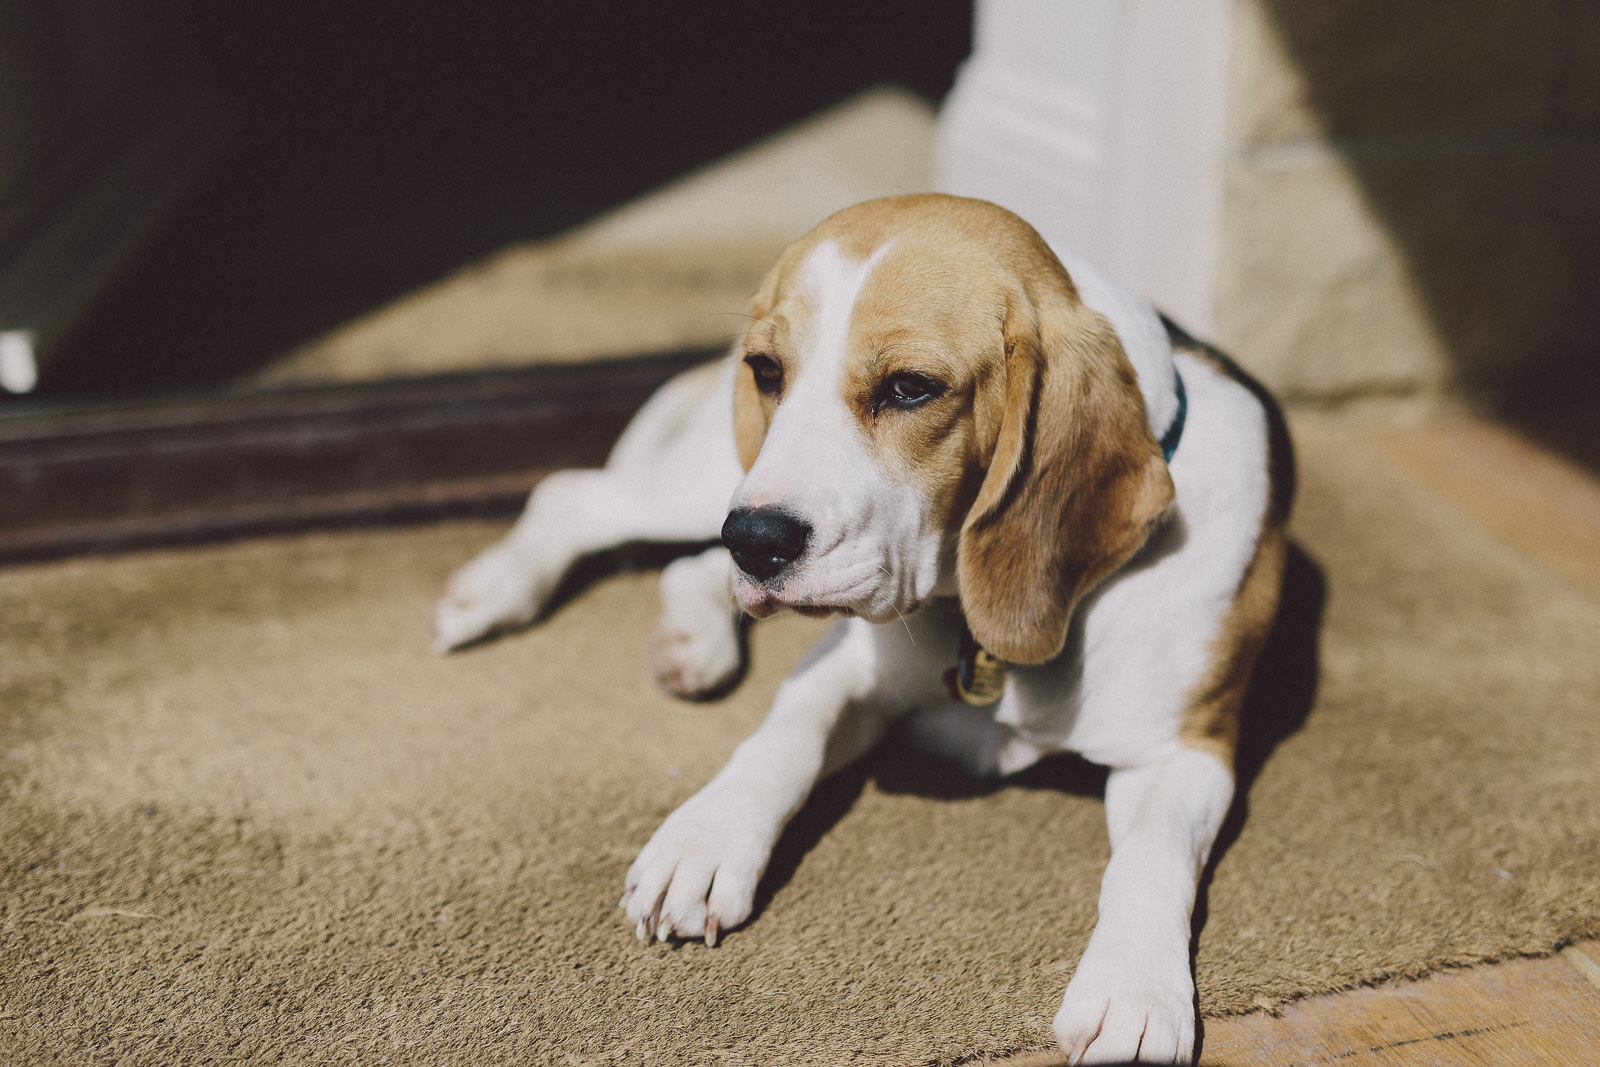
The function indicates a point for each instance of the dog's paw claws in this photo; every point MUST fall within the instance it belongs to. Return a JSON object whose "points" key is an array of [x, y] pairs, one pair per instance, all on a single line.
{"points": [[697, 876], [1126, 1018]]}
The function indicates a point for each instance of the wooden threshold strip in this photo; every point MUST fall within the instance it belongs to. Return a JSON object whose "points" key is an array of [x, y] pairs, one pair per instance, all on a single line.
{"points": [[110, 478]]}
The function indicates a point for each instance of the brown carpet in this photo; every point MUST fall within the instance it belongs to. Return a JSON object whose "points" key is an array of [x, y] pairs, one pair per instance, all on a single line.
{"points": [[246, 816]]}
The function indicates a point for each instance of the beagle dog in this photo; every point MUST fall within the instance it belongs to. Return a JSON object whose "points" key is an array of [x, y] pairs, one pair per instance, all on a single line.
{"points": [[1049, 520]]}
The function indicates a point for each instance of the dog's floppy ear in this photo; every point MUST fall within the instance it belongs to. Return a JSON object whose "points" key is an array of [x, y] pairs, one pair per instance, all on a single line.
{"points": [[1075, 484]]}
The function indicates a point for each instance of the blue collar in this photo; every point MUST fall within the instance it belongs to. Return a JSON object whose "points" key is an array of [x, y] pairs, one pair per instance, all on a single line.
{"points": [[1174, 434]]}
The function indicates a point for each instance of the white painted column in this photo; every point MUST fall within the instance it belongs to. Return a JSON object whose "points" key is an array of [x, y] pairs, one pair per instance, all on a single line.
{"points": [[1103, 123]]}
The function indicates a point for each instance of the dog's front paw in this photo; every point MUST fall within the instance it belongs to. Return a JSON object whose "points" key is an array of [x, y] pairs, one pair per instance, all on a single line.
{"points": [[697, 664], [497, 590], [1127, 1011], [697, 653], [697, 877]]}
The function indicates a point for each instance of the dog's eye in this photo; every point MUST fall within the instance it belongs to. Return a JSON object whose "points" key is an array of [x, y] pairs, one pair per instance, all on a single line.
{"points": [[768, 372], [907, 390]]}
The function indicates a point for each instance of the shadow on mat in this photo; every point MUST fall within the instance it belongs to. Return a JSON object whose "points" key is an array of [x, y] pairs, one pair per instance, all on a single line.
{"points": [[1282, 692], [1282, 689], [896, 768], [591, 569]]}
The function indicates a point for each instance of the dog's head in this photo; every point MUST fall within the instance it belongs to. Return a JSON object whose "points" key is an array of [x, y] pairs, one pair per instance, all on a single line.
{"points": [[927, 407]]}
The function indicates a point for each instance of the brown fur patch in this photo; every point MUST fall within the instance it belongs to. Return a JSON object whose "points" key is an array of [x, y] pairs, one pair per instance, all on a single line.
{"points": [[1076, 484], [1211, 721], [752, 414]]}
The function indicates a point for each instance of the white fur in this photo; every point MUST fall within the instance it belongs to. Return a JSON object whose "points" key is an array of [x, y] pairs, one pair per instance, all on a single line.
{"points": [[1143, 639], [697, 652], [1139, 329], [1137, 644], [668, 479], [875, 549]]}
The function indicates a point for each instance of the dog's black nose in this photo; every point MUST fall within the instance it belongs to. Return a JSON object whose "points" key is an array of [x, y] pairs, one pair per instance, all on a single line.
{"points": [[764, 541]]}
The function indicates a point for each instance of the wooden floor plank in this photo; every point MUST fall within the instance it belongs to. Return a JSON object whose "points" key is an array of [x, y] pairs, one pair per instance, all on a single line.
{"points": [[1529, 497], [1586, 958], [1529, 1011], [1521, 1012]]}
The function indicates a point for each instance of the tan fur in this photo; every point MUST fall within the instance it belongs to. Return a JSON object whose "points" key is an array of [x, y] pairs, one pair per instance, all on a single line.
{"points": [[1076, 485], [1038, 452], [752, 414], [1211, 721]]}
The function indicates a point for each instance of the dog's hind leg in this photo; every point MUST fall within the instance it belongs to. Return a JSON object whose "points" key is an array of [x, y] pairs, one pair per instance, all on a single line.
{"points": [[668, 479]]}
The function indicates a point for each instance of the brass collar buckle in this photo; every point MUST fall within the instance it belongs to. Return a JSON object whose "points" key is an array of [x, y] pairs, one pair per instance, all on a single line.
{"points": [[979, 676]]}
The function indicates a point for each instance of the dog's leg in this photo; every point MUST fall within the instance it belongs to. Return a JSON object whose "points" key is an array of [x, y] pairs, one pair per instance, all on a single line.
{"points": [[697, 651], [1132, 997], [697, 876], [668, 478]]}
